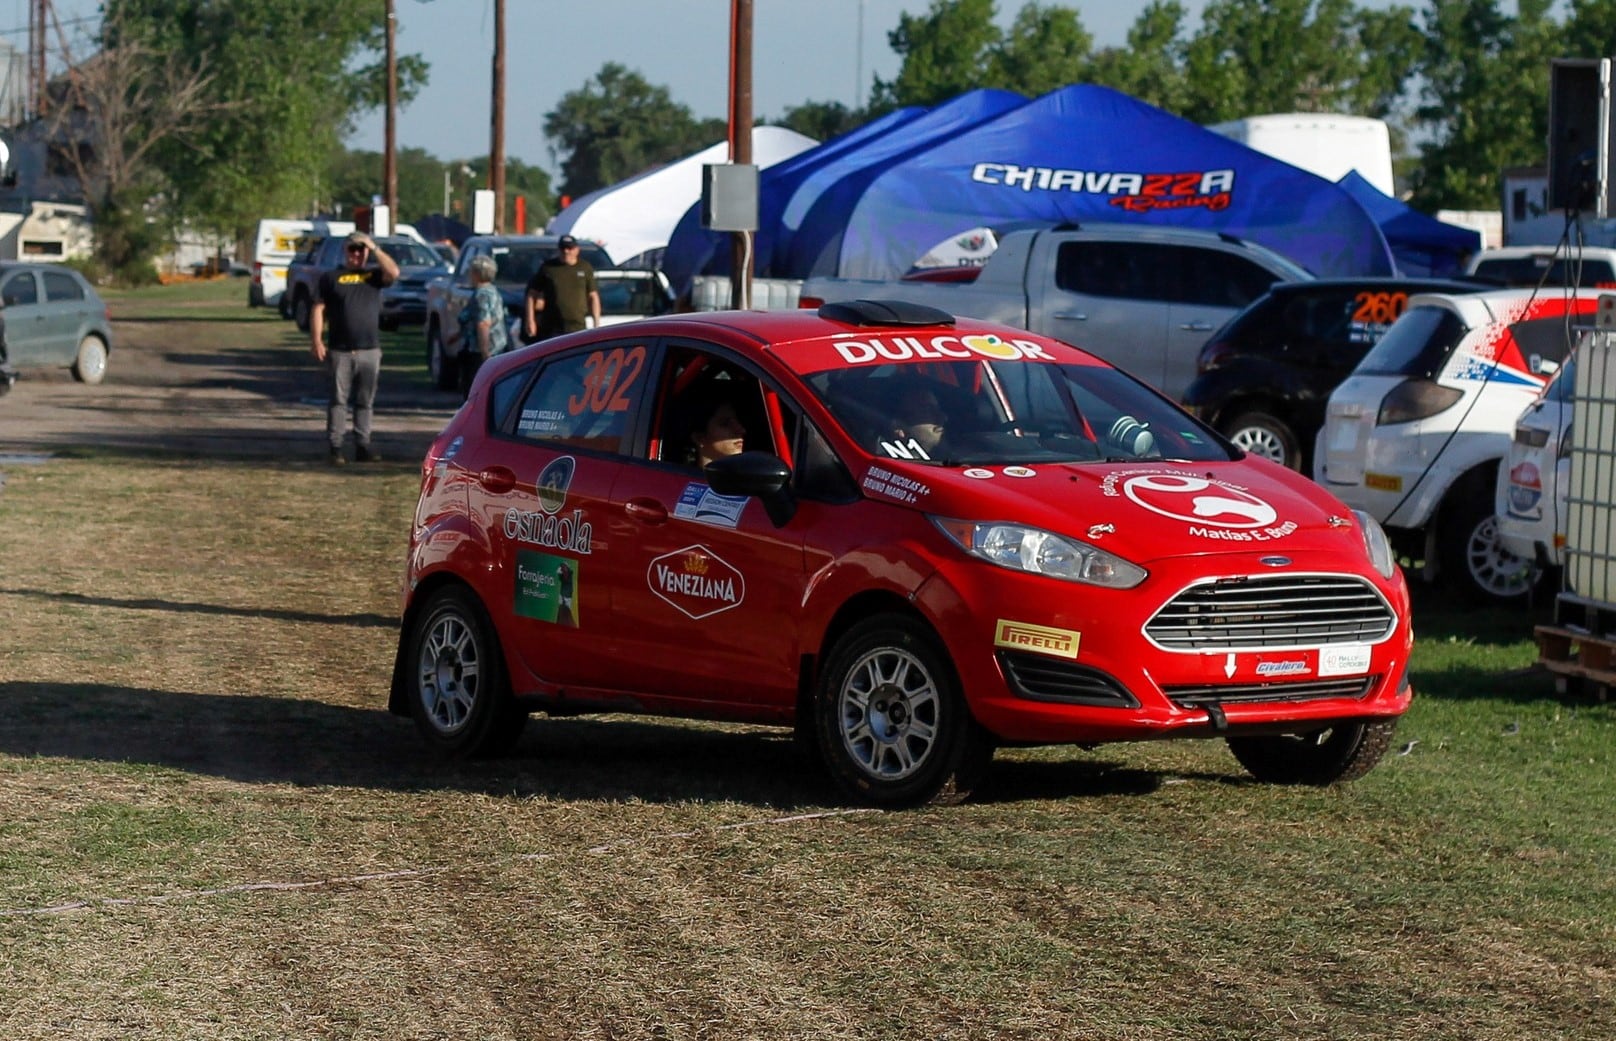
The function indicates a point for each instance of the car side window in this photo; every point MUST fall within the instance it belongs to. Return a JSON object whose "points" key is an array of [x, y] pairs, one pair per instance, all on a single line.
{"points": [[588, 399], [1125, 270], [691, 385], [59, 286], [20, 289], [1214, 278]]}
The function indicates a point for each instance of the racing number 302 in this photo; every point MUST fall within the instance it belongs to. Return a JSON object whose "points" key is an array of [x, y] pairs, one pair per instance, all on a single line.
{"points": [[1379, 308], [608, 375]]}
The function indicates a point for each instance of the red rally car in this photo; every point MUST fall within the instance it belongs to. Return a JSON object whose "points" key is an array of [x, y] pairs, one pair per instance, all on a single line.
{"points": [[909, 536]]}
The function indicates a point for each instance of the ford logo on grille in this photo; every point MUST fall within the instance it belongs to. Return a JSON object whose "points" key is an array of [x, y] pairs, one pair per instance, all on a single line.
{"points": [[1276, 561]]}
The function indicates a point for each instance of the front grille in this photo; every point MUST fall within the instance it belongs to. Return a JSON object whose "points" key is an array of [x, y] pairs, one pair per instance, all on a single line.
{"points": [[1248, 693], [1039, 678], [1264, 612]]}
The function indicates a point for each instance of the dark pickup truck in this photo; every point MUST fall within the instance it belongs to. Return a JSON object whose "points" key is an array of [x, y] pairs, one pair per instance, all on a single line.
{"points": [[403, 301]]}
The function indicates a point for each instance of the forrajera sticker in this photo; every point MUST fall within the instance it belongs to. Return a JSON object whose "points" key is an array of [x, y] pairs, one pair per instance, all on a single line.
{"points": [[1344, 660], [1024, 636], [1213, 509], [1020, 471], [883, 349], [547, 588], [553, 482], [705, 506], [979, 474], [696, 581], [885, 483]]}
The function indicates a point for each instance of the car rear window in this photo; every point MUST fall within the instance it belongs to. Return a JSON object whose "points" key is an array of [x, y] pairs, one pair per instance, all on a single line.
{"points": [[1417, 345], [1544, 270]]}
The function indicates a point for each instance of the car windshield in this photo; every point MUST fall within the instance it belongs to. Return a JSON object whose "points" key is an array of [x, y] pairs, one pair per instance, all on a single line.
{"points": [[984, 413], [411, 254], [1416, 345]]}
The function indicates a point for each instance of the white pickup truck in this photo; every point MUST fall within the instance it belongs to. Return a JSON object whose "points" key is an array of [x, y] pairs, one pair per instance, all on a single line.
{"points": [[1144, 299]]}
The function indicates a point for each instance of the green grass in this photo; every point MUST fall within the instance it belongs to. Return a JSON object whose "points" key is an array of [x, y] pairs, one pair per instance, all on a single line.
{"points": [[211, 828]]}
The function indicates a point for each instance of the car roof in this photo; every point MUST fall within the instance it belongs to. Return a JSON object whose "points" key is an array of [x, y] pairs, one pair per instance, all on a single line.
{"points": [[776, 331], [524, 240]]}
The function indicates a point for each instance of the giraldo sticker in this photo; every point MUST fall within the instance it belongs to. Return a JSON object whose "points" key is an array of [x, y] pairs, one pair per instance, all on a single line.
{"points": [[1213, 509], [697, 581]]}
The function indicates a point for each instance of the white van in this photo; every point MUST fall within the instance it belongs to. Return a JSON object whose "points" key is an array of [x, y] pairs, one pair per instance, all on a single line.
{"points": [[276, 243]]}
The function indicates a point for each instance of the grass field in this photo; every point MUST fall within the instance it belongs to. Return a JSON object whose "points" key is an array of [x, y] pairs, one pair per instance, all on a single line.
{"points": [[210, 828]]}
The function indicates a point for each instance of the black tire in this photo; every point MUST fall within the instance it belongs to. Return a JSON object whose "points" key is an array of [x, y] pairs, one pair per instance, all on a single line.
{"points": [[301, 306], [1474, 563], [455, 679], [441, 369], [892, 724], [388, 325], [1329, 756], [1266, 436]]}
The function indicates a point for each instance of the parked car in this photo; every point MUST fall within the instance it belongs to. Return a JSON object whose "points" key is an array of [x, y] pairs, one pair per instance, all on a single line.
{"points": [[1534, 482], [1590, 267], [1143, 298], [1048, 551], [625, 296], [516, 258], [54, 319], [1263, 379], [1416, 434], [404, 302], [405, 297]]}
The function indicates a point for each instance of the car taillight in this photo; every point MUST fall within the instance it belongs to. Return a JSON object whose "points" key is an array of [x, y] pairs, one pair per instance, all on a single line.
{"points": [[258, 272], [812, 303], [1531, 437], [1215, 353], [1415, 399]]}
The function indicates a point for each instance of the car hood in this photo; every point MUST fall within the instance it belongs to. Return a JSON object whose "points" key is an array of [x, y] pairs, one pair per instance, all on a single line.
{"points": [[1140, 510]]}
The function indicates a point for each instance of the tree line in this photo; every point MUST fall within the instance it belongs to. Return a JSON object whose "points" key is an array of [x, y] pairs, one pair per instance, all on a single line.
{"points": [[194, 119]]}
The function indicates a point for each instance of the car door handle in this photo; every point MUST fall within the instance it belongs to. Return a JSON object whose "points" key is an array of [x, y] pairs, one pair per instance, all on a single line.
{"points": [[1196, 327], [1075, 316], [647, 510], [496, 479]]}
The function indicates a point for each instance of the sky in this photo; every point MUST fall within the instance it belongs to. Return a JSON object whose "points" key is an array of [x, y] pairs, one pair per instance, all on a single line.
{"points": [[803, 50]]}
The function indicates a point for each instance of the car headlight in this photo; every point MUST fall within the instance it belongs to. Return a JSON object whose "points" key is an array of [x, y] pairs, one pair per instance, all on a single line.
{"points": [[1035, 551], [1376, 544]]}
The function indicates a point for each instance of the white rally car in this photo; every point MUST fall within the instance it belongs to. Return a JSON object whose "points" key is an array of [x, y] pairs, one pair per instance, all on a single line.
{"points": [[1535, 478], [1417, 434]]}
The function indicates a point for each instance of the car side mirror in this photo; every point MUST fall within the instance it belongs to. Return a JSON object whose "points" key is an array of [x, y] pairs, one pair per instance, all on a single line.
{"points": [[761, 475]]}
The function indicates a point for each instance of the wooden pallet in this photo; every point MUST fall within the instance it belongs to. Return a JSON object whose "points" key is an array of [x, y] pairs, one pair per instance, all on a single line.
{"points": [[1578, 658]]}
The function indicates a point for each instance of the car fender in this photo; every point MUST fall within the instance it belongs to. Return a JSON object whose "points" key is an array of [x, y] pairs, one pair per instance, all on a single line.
{"points": [[1463, 454], [858, 584]]}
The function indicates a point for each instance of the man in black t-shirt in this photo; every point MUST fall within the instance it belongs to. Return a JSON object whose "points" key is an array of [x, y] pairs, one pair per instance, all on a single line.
{"points": [[351, 297], [560, 295]]}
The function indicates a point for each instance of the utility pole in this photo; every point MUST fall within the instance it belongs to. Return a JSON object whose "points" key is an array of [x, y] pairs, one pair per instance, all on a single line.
{"points": [[496, 151], [38, 99], [390, 149], [740, 141]]}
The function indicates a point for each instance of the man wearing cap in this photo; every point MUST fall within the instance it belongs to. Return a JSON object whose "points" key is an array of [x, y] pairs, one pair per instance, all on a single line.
{"points": [[352, 297], [561, 295]]}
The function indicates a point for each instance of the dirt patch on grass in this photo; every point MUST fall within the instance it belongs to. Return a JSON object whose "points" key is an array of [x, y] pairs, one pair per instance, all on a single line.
{"points": [[196, 372]]}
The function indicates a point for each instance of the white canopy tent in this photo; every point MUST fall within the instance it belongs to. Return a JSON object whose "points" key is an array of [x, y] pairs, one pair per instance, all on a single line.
{"points": [[636, 216]]}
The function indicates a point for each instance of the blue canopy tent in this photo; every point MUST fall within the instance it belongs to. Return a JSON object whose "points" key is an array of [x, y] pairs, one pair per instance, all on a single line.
{"points": [[1089, 153], [818, 209], [1422, 245], [692, 249]]}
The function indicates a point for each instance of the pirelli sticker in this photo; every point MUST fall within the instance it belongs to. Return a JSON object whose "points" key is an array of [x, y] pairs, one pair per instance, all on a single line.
{"points": [[1040, 639]]}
